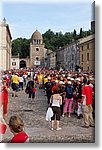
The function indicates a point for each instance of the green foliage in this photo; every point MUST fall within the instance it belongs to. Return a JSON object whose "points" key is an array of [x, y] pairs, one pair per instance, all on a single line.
{"points": [[51, 40], [21, 46]]}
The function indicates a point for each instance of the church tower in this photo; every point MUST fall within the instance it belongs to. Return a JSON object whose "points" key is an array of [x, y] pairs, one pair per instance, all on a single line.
{"points": [[37, 50]]}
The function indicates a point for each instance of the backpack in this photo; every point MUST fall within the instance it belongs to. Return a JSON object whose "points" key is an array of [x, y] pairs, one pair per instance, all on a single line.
{"points": [[69, 92], [49, 86]]}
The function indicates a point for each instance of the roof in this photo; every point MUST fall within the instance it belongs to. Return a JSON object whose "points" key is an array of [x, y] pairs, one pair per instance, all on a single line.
{"points": [[88, 38], [37, 35]]}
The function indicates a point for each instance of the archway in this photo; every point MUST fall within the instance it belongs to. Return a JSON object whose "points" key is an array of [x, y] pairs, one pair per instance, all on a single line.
{"points": [[22, 64]]}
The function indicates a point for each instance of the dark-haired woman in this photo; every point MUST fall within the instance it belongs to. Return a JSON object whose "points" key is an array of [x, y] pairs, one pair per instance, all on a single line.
{"points": [[55, 102]]}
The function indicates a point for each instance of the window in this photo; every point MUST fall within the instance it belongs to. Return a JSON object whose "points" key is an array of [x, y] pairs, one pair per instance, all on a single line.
{"points": [[13, 63], [72, 57], [82, 48], [37, 58], [37, 49], [82, 58], [88, 46], [87, 56]]}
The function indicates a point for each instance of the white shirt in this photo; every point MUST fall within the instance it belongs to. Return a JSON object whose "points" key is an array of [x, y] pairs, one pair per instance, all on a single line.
{"points": [[56, 102], [21, 79]]}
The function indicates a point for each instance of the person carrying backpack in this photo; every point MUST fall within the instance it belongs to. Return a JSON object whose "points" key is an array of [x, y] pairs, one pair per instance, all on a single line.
{"points": [[68, 99]]}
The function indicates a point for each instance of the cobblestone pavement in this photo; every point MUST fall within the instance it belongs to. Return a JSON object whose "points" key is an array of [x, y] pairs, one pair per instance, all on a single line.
{"points": [[33, 113]]}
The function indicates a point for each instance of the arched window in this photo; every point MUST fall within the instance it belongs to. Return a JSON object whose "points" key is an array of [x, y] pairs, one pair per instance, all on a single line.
{"points": [[37, 58], [37, 49]]}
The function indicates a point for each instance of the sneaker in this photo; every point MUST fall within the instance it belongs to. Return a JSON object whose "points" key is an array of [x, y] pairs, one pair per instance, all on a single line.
{"points": [[92, 126], [85, 126], [79, 117], [59, 129], [63, 115], [16, 95], [52, 129]]}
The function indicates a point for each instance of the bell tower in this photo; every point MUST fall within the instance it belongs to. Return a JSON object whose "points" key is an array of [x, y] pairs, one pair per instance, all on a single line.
{"points": [[37, 50]]}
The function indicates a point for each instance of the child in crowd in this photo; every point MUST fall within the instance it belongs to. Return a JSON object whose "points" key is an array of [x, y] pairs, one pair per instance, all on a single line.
{"points": [[17, 128]]}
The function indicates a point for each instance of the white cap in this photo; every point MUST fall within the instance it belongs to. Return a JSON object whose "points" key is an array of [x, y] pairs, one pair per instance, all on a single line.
{"points": [[68, 78], [63, 75], [78, 79], [61, 82], [72, 79], [69, 82], [91, 79], [49, 78], [56, 81]]}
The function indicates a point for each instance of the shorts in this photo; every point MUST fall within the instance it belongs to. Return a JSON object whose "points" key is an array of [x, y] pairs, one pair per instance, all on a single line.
{"points": [[57, 113], [40, 83], [15, 87]]}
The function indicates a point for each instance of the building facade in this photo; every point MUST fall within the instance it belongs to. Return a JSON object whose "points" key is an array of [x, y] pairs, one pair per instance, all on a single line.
{"points": [[87, 53], [37, 50], [5, 45], [60, 63], [15, 62], [51, 59], [71, 56]]}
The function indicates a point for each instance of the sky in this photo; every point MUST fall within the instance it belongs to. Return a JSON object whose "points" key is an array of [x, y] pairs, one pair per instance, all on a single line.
{"points": [[24, 18]]}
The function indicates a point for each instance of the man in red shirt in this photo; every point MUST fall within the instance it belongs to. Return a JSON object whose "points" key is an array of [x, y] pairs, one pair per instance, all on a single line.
{"points": [[87, 92]]}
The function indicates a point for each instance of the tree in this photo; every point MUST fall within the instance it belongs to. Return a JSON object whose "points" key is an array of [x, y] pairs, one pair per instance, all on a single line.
{"points": [[21, 46], [51, 40], [81, 33]]}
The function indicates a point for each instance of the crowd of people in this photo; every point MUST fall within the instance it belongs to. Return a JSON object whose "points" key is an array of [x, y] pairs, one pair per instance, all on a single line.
{"points": [[67, 92]]}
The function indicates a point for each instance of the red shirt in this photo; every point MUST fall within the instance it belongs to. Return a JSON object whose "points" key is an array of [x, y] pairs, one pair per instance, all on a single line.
{"points": [[21, 137], [87, 91], [54, 87]]}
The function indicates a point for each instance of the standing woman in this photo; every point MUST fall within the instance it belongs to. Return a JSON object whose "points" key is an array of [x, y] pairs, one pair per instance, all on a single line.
{"points": [[55, 102], [68, 99]]}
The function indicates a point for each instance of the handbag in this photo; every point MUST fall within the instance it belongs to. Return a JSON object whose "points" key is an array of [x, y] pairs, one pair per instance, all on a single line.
{"points": [[49, 114]]}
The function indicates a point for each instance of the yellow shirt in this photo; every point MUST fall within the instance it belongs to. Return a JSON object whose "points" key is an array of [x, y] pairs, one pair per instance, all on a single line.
{"points": [[15, 79], [45, 80], [40, 78]]}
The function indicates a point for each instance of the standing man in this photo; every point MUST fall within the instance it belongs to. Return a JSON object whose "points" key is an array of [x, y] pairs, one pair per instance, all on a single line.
{"points": [[87, 92], [30, 88], [15, 84], [48, 88]]}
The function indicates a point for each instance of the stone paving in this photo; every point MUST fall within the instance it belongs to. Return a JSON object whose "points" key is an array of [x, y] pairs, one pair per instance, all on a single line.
{"points": [[33, 113]]}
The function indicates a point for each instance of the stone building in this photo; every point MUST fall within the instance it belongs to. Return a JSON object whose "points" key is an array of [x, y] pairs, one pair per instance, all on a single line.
{"points": [[15, 62], [5, 45], [51, 59], [67, 57], [71, 56], [60, 63], [37, 50], [87, 53]]}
